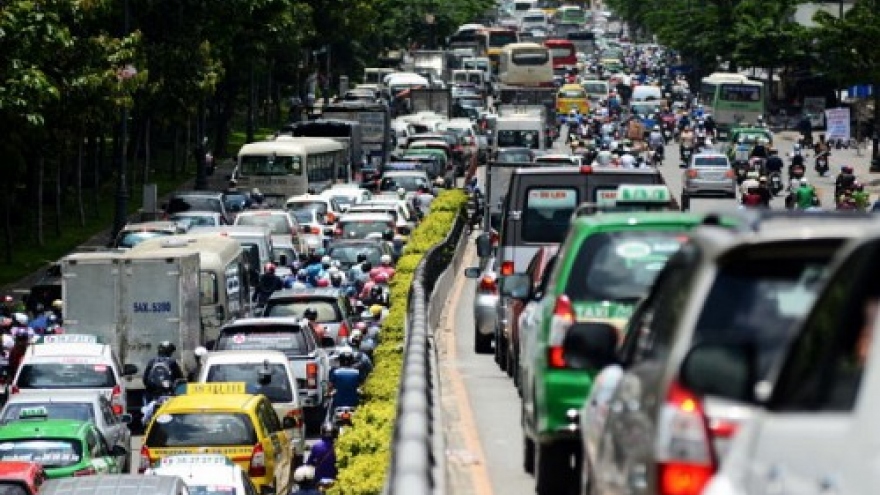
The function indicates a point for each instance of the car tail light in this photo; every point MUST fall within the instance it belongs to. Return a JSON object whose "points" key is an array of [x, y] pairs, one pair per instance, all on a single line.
{"points": [[338, 232], [146, 460], [331, 218], [343, 330], [692, 173], [296, 415], [312, 375], [507, 268], [488, 284], [89, 471], [560, 322], [684, 452], [116, 400], [14, 389], [586, 169], [729, 173], [258, 462]]}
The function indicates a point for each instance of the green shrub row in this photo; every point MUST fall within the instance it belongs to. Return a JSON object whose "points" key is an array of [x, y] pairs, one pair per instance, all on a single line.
{"points": [[363, 451]]}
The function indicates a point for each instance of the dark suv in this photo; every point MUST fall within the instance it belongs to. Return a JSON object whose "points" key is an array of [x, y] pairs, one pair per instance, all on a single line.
{"points": [[335, 312]]}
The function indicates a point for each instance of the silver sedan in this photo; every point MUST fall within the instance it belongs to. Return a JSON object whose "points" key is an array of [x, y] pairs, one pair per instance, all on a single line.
{"points": [[485, 305], [709, 173]]}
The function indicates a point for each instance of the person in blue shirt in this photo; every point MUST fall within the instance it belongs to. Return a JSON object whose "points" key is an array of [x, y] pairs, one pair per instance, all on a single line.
{"points": [[322, 456], [345, 380]]}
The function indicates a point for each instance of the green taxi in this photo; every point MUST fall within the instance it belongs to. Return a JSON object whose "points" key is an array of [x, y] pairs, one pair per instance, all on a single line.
{"points": [[606, 264], [63, 447]]}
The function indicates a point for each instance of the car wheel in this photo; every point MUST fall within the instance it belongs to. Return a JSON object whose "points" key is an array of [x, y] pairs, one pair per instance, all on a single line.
{"points": [[554, 469], [482, 343], [528, 455]]}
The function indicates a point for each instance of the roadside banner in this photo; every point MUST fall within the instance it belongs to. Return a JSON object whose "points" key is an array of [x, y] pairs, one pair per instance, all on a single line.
{"points": [[837, 120]]}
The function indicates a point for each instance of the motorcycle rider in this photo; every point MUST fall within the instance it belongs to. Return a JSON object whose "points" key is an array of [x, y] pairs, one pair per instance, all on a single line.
{"points": [[161, 372], [751, 182], [773, 162], [861, 198], [844, 181], [304, 477], [267, 284], [322, 456], [656, 141], [760, 149], [22, 335], [345, 380], [362, 361], [764, 191], [804, 195], [384, 267], [310, 314]]}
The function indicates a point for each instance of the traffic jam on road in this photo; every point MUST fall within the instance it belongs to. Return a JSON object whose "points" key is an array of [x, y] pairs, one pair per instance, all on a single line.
{"points": [[682, 306]]}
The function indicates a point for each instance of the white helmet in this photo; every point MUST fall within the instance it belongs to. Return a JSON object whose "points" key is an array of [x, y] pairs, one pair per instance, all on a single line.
{"points": [[326, 260], [804, 181], [385, 259], [795, 183], [304, 473], [21, 319]]}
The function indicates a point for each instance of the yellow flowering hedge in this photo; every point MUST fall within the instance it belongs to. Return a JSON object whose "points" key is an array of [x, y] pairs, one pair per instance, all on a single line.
{"points": [[363, 451]]}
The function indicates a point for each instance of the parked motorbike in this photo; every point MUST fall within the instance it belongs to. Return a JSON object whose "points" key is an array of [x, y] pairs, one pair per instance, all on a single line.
{"points": [[822, 163]]}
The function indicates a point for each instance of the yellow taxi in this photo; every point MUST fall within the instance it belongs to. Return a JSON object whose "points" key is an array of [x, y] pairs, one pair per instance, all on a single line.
{"points": [[222, 418], [572, 96]]}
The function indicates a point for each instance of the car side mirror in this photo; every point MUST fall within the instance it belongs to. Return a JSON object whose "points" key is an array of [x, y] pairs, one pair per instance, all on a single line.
{"points": [[129, 369], [327, 342], [721, 369], [125, 419], [472, 272], [516, 286], [403, 230], [590, 346], [118, 451], [484, 245]]}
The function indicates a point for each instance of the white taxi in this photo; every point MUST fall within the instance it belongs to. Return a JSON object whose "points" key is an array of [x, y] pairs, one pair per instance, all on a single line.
{"points": [[73, 362], [206, 474]]}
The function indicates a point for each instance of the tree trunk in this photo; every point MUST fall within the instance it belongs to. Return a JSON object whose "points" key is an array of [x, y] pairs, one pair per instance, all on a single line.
{"points": [[41, 172], [175, 151], [80, 207], [7, 226], [188, 142], [100, 144], [146, 172], [59, 164]]}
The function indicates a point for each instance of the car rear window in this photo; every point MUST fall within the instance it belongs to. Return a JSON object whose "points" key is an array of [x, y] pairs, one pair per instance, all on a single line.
{"points": [[710, 161], [547, 213], [48, 452], [201, 430], [410, 183], [194, 203], [327, 309], [759, 300], [347, 255], [264, 337], [65, 375], [620, 266], [278, 389], [319, 206], [132, 238], [77, 411], [360, 229], [277, 223]]}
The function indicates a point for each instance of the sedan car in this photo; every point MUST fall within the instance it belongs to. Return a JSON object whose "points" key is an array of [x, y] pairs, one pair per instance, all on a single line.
{"points": [[284, 226], [79, 405], [335, 312], [485, 305], [709, 173], [191, 219]]}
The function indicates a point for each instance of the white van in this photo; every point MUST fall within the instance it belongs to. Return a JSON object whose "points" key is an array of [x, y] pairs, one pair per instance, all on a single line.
{"points": [[646, 93], [255, 241]]}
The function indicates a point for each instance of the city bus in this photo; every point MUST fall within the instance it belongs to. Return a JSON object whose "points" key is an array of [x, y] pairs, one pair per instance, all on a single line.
{"points": [[732, 99], [289, 166], [584, 41], [347, 132], [525, 64], [492, 40], [563, 53], [571, 14]]}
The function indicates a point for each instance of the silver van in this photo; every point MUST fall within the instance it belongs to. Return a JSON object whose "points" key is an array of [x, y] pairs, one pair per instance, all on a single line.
{"points": [[115, 484]]}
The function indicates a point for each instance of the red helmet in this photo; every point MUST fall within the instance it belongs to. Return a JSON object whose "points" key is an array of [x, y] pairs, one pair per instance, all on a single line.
{"points": [[381, 278], [322, 282], [269, 268]]}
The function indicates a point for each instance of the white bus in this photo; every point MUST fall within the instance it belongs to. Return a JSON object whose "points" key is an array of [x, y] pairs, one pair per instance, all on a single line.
{"points": [[525, 64], [288, 166], [732, 99]]}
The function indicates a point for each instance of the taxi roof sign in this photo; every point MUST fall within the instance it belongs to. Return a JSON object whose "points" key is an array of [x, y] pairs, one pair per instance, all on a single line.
{"points": [[638, 193], [216, 388], [33, 413], [70, 338]]}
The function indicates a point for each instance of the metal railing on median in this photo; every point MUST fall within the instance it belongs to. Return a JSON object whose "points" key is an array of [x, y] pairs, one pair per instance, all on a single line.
{"points": [[418, 446]]}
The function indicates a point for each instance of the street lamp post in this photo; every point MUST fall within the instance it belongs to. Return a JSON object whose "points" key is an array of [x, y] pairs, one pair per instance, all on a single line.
{"points": [[121, 217]]}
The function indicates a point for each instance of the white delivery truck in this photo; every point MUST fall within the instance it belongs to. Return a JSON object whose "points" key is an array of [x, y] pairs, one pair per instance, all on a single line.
{"points": [[133, 301], [520, 127]]}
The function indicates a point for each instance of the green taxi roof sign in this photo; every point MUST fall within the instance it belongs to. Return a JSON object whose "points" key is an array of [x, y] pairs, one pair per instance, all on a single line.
{"points": [[33, 413], [638, 193], [70, 338]]}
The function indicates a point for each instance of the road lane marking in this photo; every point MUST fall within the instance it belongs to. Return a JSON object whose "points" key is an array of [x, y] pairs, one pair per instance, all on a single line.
{"points": [[477, 466]]}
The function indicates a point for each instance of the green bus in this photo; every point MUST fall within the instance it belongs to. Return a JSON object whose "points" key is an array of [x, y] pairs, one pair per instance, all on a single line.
{"points": [[732, 99], [571, 14]]}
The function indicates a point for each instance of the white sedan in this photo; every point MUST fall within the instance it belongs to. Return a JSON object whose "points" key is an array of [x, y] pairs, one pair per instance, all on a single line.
{"points": [[206, 474]]}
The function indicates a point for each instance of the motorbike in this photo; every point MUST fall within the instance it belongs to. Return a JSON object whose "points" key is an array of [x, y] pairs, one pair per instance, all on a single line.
{"points": [[822, 163], [686, 154], [475, 207], [775, 181], [796, 172], [657, 157]]}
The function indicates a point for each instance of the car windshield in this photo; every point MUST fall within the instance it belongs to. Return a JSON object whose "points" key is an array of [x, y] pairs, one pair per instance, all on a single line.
{"points": [[48, 452], [304, 216], [360, 229], [410, 183], [595, 88], [620, 266], [264, 337], [65, 375], [326, 309], [319, 206], [514, 157], [77, 411], [347, 255], [133, 238], [195, 220], [277, 390], [520, 139], [759, 300], [710, 162], [547, 213], [277, 223], [201, 430]]}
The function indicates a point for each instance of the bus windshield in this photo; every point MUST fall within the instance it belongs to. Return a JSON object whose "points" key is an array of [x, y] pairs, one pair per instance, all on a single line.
{"points": [[500, 39], [530, 57], [270, 165], [518, 139], [740, 92]]}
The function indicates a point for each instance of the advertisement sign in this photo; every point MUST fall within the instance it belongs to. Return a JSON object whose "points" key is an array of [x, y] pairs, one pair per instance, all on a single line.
{"points": [[838, 123]]}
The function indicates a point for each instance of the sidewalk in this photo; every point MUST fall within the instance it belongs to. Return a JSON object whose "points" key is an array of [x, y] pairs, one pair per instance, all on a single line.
{"points": [[216, 181]]}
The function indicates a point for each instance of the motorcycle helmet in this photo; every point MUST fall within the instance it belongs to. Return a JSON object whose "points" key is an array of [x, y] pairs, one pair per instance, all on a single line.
{"points": [[269, 268], [58, 304], [366, 266], [328, 430], [361, 257], [322, 282], [166, 348], [381, 278], [804, 181], [385, 260], [20, 319], [310, 314], [325, 261], [762, 179], [346, 356], [336, 279], [302, 275], [376, 311], [304, 474]]}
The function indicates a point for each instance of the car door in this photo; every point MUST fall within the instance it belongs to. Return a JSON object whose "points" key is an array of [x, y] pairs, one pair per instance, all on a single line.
{"points": [[624, 462], [113, 428], [280, 443]]}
